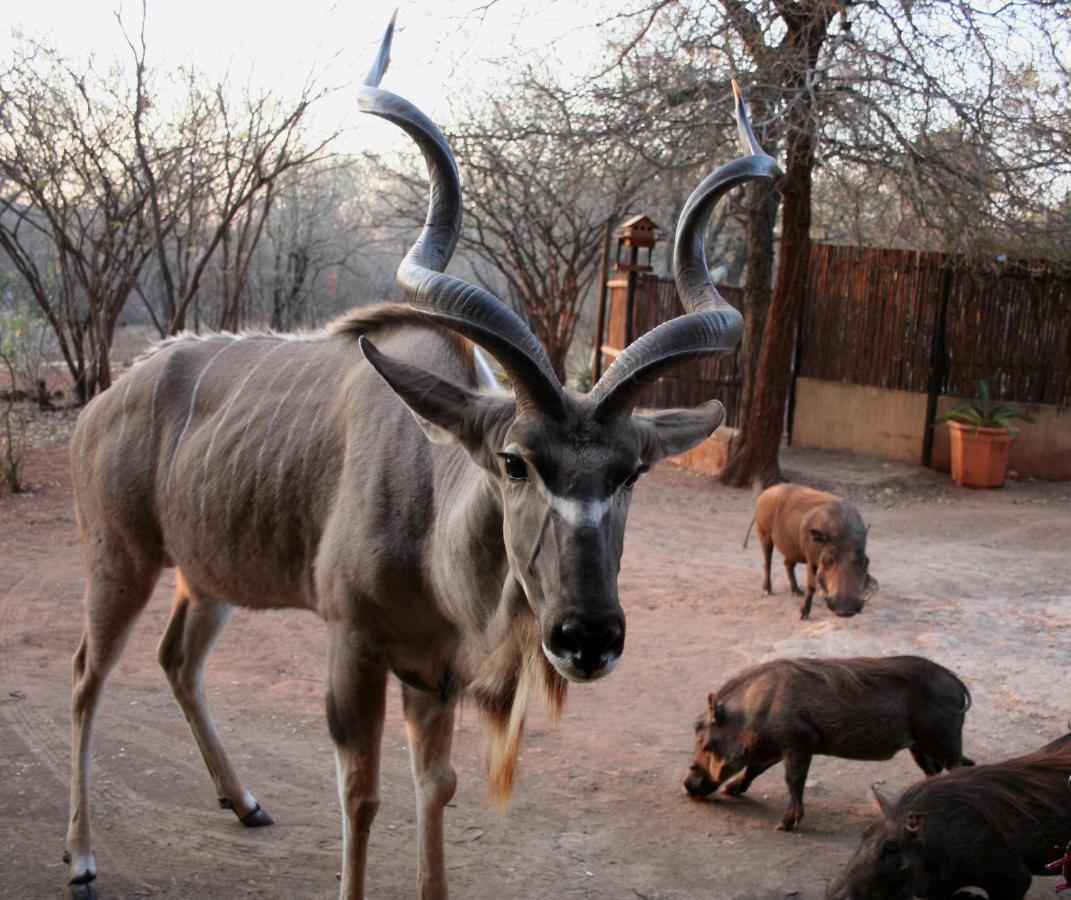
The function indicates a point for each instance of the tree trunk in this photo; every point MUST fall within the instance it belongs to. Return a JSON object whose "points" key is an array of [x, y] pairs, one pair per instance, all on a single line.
{"points": [[758, 287], [757, 458]]}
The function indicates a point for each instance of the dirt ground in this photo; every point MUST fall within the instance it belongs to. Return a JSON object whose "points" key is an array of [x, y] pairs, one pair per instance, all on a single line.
{"points": [[978, 581]]}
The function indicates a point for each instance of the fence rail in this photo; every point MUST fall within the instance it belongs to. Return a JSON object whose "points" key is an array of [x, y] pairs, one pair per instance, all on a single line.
{"points": [[873, 317]]}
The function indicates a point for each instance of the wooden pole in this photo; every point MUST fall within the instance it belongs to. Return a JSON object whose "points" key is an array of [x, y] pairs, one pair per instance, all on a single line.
{"points": [[797, 365], [630, 293], [938, 361], [600, 312]]}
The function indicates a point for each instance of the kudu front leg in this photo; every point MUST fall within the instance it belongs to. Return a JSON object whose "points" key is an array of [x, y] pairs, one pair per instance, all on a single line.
{"points": [[430, 724], [356, 704]]}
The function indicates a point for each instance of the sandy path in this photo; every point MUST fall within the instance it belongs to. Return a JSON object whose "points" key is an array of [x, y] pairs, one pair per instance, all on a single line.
{"points": [[978, 581]]}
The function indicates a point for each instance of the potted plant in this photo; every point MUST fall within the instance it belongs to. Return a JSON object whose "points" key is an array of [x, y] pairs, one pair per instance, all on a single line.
{"points": [[981, 434]]}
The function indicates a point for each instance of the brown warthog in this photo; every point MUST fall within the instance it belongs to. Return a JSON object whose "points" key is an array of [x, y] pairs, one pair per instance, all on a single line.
{"points": [[989, 827], [823, 531], [792, 709]]}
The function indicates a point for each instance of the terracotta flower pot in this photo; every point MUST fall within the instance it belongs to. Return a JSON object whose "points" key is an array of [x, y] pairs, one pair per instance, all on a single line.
{"points": [[979, 455]]}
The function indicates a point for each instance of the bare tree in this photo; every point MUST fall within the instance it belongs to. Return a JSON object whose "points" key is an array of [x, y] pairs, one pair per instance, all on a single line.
{"points": [[68, 186], [315, 245], [210, 182]]}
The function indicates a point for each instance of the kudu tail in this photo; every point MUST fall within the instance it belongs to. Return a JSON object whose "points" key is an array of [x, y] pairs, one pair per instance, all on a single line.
{"points": [[747, 534]]}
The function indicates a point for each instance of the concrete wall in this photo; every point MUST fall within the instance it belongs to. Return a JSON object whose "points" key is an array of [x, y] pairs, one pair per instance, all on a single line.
{"points": [[859, 418], [891, 424]]}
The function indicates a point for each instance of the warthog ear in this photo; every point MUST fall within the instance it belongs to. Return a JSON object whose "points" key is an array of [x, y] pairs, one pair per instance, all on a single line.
{"points": [[674, 431], [819, 536], [717, 710], [446, 412], [914, 826], [885, 805]]}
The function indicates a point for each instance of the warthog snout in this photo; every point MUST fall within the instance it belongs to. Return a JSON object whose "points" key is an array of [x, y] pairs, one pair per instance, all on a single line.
{"points": [[585, 648], [699, 783], [846, 607]]}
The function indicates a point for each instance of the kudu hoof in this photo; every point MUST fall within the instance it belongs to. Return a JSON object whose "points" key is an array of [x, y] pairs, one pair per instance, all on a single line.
{"points": [[258, 818], [84, 890]]}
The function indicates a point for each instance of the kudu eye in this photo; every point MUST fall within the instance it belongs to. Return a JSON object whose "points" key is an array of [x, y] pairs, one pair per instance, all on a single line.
{"points": [[516, 469], [635, 476]]}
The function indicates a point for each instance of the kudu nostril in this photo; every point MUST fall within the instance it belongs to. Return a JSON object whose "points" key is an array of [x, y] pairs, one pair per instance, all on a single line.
{"points": [[590, 645]]}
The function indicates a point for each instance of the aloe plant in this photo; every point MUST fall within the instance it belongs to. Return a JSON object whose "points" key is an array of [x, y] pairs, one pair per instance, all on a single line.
{"points": [[982, 412]]}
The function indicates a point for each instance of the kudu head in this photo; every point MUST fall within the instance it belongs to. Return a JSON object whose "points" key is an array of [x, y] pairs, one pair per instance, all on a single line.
{"points": [[563, 463]]}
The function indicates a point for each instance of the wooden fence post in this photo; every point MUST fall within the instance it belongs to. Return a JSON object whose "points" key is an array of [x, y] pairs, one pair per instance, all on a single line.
{"points": [[797, 353], [600, 313], [938, 360]]}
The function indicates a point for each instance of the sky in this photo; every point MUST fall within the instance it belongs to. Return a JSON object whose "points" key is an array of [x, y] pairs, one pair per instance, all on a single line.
{"points": [[441, 49]]}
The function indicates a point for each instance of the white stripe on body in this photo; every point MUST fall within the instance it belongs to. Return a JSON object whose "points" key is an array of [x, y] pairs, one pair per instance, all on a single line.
{"points": [[267, 431], [189, 416], [152, 410], [232, 480], [266, 394], [122, 420], [293, 426], [223, 418]]}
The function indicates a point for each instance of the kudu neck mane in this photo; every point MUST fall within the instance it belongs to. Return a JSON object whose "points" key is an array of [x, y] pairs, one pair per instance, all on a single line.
{"points": [[370, 319]]}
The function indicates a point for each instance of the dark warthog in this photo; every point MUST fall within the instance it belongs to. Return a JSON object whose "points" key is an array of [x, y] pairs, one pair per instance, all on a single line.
{"points": [[791, 709], [823, 531], [990, 827]]}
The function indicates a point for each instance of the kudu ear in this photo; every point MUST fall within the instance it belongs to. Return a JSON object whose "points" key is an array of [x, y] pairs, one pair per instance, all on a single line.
{"points": [[446, 412], [674, 431]]}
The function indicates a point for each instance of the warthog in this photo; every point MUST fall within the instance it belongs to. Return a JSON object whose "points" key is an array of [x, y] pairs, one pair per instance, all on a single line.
{"points": [[823, 531], [990, 827], [791, 709]]}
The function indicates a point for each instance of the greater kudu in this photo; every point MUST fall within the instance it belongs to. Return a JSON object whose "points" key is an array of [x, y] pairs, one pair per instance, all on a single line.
{"points": [[296, 471]]}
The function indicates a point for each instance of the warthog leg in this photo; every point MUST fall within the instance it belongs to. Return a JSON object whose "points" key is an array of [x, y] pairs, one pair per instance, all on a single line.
{"points": [[812, 586], [796, 765], [739, 785], [790, 569], [767, 558]]}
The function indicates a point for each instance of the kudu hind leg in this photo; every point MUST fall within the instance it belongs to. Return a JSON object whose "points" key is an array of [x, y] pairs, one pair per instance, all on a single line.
{"points": [[119, 585], [356, 705], [195, 625], [430, 725]]}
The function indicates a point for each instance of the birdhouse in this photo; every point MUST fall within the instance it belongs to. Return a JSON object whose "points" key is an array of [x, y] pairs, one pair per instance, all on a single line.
{"points": [[635, 234]]}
